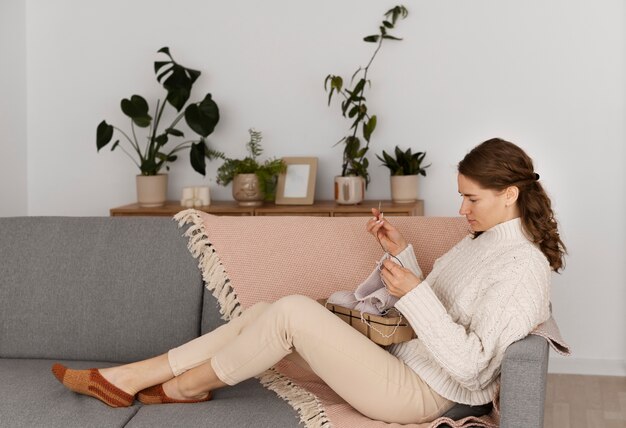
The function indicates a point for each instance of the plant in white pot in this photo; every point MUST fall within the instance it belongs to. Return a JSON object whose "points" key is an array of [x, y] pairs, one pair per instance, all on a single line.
{"points": [[253, 182], [151, 155], [350, 186], [404, 170]]}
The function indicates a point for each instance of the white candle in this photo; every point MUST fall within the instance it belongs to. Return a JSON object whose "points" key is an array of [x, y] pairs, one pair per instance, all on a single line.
{"points": [[203, 195], [188, 197]]}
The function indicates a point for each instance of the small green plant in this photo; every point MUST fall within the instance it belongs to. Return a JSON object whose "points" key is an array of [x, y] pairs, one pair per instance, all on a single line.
{"points": [[267, 172], [353, 106], [201, 117], [405, 163]]}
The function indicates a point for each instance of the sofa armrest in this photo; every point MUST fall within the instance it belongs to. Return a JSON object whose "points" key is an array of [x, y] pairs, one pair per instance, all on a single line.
{"points": [[523, 383]]}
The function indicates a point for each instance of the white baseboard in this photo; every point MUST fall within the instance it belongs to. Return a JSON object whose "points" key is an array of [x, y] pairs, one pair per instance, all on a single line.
{"points": [[587, 366]]}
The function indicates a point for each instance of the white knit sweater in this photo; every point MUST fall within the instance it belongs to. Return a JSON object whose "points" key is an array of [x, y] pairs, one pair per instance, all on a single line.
{"points": [[480, 297]]}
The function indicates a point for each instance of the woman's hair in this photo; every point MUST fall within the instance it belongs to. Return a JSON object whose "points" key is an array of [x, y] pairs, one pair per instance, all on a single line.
{"points": [[497, 164]]}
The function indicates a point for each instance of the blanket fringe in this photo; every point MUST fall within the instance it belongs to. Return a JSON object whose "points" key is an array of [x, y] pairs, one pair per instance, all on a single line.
{"points": [[213, 273], [311, 411]]}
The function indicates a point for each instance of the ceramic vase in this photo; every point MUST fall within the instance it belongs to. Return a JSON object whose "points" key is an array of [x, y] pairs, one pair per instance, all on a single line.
{"points": [[349, 190], [246, 190], [404, 188], [151, 190]]}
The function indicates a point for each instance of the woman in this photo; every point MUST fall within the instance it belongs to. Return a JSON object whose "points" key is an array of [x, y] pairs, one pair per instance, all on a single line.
{"points": [[488, 291]]}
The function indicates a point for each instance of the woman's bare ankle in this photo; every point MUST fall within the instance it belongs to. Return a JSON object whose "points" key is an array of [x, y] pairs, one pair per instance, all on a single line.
{"points": [[121, 377], [174, 389]]}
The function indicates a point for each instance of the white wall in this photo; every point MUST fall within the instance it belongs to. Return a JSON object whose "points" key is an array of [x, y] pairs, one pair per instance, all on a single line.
{"points": [[13, 163], [546, 75]]}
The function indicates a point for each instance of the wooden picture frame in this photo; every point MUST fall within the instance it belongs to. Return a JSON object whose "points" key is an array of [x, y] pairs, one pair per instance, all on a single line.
{"points": [[296, 186]]}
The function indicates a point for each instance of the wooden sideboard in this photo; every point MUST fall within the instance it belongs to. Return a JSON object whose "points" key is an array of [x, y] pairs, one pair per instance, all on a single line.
{"points": [[319, 208]]}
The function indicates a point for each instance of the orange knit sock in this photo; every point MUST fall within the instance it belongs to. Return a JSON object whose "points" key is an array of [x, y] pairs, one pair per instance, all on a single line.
{"points": [[156, 395], [90, 382]]}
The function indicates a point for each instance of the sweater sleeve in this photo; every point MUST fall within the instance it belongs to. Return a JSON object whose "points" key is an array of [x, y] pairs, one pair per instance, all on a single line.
{"points": [[514, 303]]}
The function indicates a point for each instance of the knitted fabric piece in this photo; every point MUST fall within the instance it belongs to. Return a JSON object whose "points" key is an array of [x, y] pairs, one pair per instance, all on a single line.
{"points": [[90, 382]]}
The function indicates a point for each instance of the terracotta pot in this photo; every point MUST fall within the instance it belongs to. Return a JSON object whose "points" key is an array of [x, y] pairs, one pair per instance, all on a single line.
{"points": [[246, 190], [404, 188], [349, 190], [151, 190]]}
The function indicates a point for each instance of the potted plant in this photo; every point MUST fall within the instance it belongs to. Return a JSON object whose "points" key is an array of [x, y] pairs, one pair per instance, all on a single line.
{"points": [[350, 186], [252, 181], [404, 171], [201, 117]]}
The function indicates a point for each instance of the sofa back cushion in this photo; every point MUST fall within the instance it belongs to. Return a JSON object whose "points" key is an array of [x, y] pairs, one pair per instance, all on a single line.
{"points": [[107, 289]]}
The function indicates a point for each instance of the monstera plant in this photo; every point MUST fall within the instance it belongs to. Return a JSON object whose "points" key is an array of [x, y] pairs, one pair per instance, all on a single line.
{"points": [[151, 154]]}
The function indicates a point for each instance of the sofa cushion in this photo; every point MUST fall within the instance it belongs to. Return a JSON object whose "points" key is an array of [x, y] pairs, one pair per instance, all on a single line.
{"points": [[246, 404], [32, 398], [107, 289]]}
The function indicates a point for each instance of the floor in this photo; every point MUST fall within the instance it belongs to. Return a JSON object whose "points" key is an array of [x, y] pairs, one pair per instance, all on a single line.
{"points": [[576, 401]]}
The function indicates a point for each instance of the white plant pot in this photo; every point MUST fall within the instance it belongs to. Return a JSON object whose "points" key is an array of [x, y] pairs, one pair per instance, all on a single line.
{"points": [[349, 190], [404, 188], [151, 190], [246, 190]]}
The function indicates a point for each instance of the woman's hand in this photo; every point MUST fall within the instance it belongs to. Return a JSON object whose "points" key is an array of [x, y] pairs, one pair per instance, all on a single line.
{"points": [[389, 237], [398, 280]]}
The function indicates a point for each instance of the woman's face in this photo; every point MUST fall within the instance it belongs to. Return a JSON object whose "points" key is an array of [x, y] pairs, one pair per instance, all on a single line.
{"points": [[485, 208]]}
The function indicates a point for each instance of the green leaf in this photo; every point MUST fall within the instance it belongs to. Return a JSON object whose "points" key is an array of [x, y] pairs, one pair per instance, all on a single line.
{"points": [[104, 133], [352, 146], [340, 141], [396, 12], [176, 79], [161, 140], [193, 74], [391, 161], [371, 39], [203, 117], [337, 83], [344, 106], [369, 127], [358, 88], [174, 132], [158, 65], [353, 111], [197, 157], [387, 36], [137, 109], [149, 167], [117, 143], [214, 154], [330, 95], [398, 153], [387, 24], [178, 86], [165, 50]]}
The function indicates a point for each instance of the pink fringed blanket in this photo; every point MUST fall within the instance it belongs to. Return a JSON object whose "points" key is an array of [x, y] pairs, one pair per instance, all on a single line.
{"points": [[246, 260]]}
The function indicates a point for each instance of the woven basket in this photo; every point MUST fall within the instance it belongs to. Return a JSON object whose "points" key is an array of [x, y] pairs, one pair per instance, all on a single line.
{"points": [[383, 330]]}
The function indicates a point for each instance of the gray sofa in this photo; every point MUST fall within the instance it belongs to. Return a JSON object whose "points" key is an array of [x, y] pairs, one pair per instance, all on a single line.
{"points": [[94, 292]]}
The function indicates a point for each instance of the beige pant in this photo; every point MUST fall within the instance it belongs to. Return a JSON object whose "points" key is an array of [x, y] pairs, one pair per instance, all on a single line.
{"points": [[368, 377]]}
